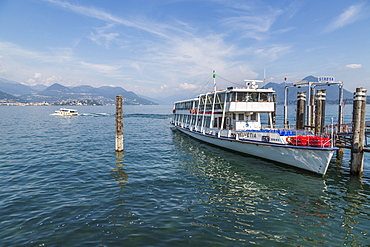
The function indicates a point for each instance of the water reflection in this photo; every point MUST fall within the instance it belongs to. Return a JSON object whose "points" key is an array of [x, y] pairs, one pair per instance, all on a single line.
{"points": [[119, 173], [253, 200], [355, 212], [120, 216], [259, 202]]}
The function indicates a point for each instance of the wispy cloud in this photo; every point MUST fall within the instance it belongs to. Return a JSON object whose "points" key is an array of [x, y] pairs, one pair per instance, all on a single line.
{"points": [[273, 52], [101, 68], [187, 86], [52, 55], [158, 29], [350, 15], [354, 66], [180, 49], [103, 36], [252, 25]]}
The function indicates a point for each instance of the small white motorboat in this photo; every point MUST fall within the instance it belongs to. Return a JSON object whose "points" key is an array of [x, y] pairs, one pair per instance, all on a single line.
{"points": [[66, 112]]}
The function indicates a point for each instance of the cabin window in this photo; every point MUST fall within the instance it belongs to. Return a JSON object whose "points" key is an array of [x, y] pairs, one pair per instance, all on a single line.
{"points": [[254, 117], [240, 97], [254, 97], [208, 121], [198, 121], [232, 97], [264, 97], [241, 117], [184, 105], [227, 121]]}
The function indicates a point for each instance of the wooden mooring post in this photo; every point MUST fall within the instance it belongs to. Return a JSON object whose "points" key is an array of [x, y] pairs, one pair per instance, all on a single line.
{"points": [[119, 124], [320, 111], [359, 112], [301, 106]]}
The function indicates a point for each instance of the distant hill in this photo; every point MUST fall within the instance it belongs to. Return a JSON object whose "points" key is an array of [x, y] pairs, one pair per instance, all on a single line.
{"points": [[60, 93], [39, 87], [15, 88], [8, 98]]}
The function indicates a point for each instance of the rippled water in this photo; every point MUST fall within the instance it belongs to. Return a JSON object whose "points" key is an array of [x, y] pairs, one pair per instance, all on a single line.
{"points": [[64, 185]]}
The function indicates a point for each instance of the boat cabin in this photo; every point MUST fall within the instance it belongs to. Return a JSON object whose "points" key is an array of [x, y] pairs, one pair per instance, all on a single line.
{"points": [[232, 109]]}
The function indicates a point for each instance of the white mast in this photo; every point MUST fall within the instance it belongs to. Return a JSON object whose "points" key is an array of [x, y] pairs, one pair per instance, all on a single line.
{"points": [[214, 100]]}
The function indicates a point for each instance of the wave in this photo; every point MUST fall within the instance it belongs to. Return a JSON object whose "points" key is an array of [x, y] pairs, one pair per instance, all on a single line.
{"points": [[135, 115], [97, 114]]}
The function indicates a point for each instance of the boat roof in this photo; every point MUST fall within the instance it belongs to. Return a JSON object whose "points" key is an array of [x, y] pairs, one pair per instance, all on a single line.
{"points": [[244, 89], [179, 101], [66, 109]]}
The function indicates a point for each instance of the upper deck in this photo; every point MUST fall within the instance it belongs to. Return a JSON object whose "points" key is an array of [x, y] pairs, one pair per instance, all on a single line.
{"points": [[232, 99]]}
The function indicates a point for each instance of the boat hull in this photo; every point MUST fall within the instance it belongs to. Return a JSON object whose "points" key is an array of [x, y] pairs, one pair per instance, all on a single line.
{"points": [[312, 159]]}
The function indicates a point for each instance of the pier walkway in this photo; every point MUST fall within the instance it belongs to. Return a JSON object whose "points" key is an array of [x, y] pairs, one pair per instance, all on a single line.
{"points": [[344, 138]]}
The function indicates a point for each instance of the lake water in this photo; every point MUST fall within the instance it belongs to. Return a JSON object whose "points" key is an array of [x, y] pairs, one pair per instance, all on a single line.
{"points": [[62, 184]]}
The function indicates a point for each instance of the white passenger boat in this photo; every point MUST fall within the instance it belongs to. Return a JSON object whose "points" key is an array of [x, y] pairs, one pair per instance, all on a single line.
{"points": [[66, 112], [231, 119]]}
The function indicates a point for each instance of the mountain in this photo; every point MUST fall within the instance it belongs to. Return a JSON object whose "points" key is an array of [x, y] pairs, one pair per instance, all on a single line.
{"points": [[39, 87], [59, 93], [8, 98], [159, 101], [102, 95], [15, 88]]}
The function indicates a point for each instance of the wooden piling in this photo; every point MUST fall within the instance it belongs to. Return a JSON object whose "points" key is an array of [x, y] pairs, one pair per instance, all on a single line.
{"points": [[359, 112], [311, 107], [301, 106], [320, 111], [119, 124], [340, 109]]}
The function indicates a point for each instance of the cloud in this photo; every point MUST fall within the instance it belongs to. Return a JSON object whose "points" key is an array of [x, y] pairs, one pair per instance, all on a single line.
{"points": [[187, 86], [273, 52], [53, 56], [158, 29], [254, 26], [350, 15], [101, 68], [354, 66], [38, 79], [102, 36]]}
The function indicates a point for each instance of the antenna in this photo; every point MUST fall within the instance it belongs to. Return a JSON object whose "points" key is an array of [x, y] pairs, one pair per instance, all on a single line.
{"points": [[264, 77], [214, 80]]}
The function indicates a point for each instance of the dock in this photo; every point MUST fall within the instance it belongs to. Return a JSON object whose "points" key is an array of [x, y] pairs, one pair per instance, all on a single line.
{"points": [[344, 138], [311, 115]]}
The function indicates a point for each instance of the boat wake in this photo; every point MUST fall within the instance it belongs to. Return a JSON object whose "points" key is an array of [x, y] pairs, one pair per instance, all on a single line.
{"points": [[97, 114]]}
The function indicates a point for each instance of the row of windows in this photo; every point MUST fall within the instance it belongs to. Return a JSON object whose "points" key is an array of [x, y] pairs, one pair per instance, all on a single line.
{"points": [[198, 120], [220, 99]]}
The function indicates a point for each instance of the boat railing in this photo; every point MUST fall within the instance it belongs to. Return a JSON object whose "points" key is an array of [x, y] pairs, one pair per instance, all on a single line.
{"points": [[288, 136], [292, 137]]}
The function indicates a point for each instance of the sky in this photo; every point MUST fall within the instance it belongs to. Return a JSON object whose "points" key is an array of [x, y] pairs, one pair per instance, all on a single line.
{"points": [[159, 48]]}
